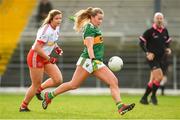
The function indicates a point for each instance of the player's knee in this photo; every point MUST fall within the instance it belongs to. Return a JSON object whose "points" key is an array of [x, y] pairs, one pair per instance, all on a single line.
{"points": [[160, 77], [57, 83], [58, 80]]}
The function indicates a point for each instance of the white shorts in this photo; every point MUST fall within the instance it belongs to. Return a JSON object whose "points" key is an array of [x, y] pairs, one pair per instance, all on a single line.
{"points": [[87, 64]]}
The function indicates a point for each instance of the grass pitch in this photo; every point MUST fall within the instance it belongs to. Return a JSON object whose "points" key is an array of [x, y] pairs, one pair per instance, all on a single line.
{"points": [[89, 107]]}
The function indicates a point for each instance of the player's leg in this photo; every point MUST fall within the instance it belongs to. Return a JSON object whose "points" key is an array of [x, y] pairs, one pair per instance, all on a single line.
{"points": [[154, 64], [162, 84], [157, 77], [36, 75], [79, 76], [164, 67], [55, 79], [105, 75], [144, 99]]}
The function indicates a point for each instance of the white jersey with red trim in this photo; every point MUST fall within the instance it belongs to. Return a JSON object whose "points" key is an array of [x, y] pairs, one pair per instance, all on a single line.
{"points": [[48, 36]]}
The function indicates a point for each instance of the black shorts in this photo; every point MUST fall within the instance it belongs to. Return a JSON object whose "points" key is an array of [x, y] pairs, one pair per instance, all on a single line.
{"points": [[164, 65], [158, 63], [154, 64]]}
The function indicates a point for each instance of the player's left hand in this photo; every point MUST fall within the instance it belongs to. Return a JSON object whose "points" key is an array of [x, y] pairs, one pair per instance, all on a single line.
{"points": [[53, 60], [59, 51], [72, 18], [168, 51]]}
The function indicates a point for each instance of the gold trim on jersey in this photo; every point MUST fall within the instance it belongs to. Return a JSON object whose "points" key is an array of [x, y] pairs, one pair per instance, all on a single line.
{"points": [[97, 39], [50, 43]]}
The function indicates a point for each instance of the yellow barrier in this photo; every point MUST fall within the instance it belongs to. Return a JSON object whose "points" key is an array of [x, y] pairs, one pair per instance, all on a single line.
{"points": [[14, 15]]}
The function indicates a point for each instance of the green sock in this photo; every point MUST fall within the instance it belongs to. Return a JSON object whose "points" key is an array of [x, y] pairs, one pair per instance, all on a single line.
{"points": [[51, 95], [119, 105]]}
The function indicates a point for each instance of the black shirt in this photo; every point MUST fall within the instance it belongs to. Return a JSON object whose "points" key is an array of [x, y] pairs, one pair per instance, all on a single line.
{"points": [[155, 40]]}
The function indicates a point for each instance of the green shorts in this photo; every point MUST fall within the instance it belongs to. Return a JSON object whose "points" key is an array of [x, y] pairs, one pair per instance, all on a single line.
{"points": [[87, 64]]}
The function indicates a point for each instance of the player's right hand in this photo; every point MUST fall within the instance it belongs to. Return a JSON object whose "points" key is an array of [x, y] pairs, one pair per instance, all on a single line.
{"points": [[168, 51], [95, 63], [150, 56], [52, 60]]}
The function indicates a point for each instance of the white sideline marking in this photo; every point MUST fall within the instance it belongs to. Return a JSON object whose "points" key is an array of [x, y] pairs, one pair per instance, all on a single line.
{"points": [[91, 91]]}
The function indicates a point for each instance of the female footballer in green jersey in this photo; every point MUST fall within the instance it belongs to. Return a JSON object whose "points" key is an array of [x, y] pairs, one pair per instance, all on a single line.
{"points": [[91, 60]]}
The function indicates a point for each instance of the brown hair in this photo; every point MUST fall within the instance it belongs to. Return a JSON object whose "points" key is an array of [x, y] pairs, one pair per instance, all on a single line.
{"points": [[83, 16], [50, 16]]}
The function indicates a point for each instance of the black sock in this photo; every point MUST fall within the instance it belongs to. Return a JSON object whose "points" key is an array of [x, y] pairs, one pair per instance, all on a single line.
{"points": [[147, 92], [154, 89]]}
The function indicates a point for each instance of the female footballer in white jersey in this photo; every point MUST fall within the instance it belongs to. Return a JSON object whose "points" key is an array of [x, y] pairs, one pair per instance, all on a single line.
{"points": [[40, 61]]}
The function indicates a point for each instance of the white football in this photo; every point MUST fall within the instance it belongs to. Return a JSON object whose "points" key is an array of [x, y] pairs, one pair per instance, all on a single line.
{"points": [[115, 63]]}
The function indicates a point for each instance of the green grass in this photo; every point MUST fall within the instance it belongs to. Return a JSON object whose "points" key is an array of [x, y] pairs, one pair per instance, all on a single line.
{"points": [[89, 107]]}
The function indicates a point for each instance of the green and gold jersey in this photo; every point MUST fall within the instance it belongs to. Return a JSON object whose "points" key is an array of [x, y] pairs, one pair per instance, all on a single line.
{"points": [[98, 46]]}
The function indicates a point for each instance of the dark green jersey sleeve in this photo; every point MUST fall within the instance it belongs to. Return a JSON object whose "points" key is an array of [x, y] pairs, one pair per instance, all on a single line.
{"points": [[89, 31]]}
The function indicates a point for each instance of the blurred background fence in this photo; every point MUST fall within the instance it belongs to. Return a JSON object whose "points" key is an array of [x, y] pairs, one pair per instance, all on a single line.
{"points": [[124, 22]]}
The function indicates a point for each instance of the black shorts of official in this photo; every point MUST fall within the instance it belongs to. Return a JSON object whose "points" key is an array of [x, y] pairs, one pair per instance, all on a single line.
{"points": [[157, 63], [164, 66], [154, 64]]}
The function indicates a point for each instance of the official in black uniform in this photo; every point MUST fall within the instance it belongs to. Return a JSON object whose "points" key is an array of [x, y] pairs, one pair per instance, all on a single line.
{"points": [[155, 43]]}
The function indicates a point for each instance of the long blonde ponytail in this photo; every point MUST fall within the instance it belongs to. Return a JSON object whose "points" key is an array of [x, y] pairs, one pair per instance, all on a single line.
{"points": [[83, 16]]}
